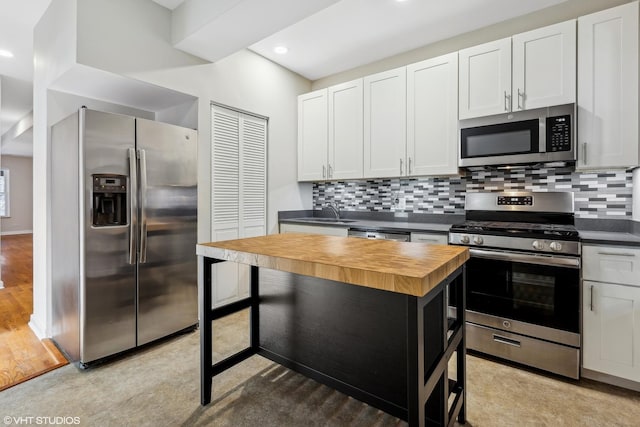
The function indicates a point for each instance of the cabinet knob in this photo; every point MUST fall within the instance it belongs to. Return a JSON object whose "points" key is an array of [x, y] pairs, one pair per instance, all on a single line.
{"points": [[556, 246]]}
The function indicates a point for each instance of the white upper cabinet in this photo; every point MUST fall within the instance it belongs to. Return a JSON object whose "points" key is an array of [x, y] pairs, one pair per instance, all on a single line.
{"points": [[608, 88], [544, 67], [432, 116], [485, 79], [530, 70], [312, 136], [385, 126], [345, 131]]}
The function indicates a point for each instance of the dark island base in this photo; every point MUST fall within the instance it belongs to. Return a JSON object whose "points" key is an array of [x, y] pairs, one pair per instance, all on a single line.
{"points": [[386, 349]]}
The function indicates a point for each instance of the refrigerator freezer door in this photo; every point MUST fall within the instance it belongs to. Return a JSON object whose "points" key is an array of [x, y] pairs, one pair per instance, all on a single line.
{"points": [[167, 271], [108, 297]]}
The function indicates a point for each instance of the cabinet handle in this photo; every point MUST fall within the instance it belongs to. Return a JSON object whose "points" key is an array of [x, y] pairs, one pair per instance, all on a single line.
{"points": [[506, 98], [520, 107], [330, 171], [324, 171], [584, 153], [409, 173], [400, 166], [591, 300], [616, 253]]}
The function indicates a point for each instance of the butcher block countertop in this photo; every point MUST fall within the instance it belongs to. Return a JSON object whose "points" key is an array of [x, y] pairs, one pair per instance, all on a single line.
{"points": [[402, 267]]}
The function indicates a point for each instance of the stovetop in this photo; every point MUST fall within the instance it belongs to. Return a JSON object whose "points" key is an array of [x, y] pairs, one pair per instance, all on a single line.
{"points": [[517, 229]]}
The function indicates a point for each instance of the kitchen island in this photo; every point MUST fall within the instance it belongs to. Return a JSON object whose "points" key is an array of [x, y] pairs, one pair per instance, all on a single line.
{"points": [[368, 318]]}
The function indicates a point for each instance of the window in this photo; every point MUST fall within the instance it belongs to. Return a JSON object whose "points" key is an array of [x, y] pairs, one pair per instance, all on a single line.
{"points": [[4, 192]]}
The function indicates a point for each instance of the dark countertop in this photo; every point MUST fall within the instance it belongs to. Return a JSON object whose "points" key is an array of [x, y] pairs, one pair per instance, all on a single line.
{"points": [[609, 238], [592, 231], [405, 226]]}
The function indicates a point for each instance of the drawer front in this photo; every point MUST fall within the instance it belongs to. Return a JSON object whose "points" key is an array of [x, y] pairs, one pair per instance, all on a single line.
{"points": [[612, 264], [433, 238], [545, 355], [313, 229]]}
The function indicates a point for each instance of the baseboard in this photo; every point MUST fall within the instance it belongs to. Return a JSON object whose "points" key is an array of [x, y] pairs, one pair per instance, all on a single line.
{"points": [[11, 233], [33, 324], [610, 379]]}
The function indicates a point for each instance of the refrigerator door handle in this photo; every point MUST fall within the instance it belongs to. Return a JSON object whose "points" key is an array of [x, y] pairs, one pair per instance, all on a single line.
{"points": [[133, 204], [143, 206]]}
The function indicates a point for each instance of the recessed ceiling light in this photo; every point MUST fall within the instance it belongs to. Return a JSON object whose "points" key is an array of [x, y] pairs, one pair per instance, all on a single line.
{"points": [[280, 50], [6, 53]]}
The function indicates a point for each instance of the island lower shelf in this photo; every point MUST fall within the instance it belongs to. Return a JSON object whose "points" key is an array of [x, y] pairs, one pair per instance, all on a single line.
{"points": [[388, 349]]}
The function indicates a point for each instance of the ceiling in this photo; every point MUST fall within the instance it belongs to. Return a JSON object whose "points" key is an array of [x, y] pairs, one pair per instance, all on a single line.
{"points": [[330, 39]]}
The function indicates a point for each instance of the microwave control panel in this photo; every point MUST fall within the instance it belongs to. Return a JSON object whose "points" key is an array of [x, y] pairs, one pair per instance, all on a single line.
{"points": [[558, 133]]}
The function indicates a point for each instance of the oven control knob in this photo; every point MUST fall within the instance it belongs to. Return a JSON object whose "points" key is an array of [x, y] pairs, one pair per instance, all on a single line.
{"points": [[556, 246], [464, 239], [537, 245], [478, 240]]}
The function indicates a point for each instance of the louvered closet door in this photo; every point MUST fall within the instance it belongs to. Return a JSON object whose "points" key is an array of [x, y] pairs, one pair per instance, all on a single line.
{"points": [[238, 192]]}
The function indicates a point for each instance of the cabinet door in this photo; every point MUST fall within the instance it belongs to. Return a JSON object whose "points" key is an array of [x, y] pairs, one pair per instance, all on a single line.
{"points": [[385, 126], [611, 329], [544, 67], [432, 116], [346, 148], [312, 136], [238, 199], [608, 88], [485, 79]]}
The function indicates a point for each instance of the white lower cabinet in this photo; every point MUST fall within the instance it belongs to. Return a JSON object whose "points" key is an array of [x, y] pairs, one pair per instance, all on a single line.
{"points": [[431, 238], [611, 329], [611, 312], [313, 229]]}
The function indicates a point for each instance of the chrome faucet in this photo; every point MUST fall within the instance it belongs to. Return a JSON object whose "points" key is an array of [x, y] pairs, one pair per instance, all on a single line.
{"points": [[333, 206]]}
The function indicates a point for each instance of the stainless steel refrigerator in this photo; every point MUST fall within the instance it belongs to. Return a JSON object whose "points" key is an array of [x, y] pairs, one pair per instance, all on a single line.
{"points": [[123, 221]]}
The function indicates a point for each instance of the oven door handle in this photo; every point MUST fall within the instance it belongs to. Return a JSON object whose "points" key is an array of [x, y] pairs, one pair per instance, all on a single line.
{"points": [[552, 260]]}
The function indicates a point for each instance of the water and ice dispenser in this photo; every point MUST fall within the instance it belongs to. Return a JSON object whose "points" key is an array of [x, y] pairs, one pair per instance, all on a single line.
{"points": [[109, 200]]}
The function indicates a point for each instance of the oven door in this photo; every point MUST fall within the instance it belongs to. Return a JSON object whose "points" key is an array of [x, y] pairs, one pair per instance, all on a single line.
{"points": [[531, 294]]}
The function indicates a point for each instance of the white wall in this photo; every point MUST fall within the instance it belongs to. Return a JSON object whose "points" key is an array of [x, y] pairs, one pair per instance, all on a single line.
{"points": [[243, 80], [570, 9], [54, 52], [132, 38], [20, 195]]}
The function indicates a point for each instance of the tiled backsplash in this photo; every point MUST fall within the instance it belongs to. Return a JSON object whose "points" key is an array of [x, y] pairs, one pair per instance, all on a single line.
{"points": [[605, 194]]}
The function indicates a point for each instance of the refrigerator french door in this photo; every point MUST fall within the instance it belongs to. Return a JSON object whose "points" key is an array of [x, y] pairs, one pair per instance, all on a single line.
{"points": [[124, 271]]}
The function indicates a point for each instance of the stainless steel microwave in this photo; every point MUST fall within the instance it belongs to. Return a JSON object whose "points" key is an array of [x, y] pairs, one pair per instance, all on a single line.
{"points": [[535, 136]]}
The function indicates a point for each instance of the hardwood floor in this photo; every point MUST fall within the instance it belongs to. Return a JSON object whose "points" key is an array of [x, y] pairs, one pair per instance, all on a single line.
{"points": [[22, 354]]}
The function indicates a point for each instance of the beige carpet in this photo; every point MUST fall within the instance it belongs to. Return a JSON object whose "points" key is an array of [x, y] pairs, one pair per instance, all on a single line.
{"points": [[159, 386]]}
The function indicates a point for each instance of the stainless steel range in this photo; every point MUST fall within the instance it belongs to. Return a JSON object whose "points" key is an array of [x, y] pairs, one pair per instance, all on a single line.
{"points": [[523, 278]]}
